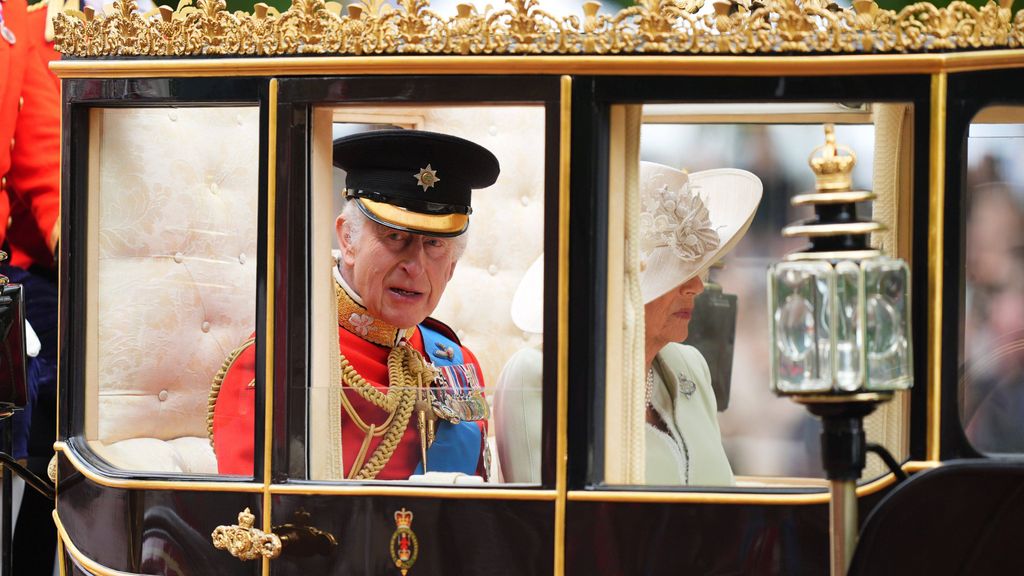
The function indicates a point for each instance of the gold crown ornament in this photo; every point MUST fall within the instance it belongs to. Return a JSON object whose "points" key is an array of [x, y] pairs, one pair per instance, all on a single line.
{"points": [[832, 164]]}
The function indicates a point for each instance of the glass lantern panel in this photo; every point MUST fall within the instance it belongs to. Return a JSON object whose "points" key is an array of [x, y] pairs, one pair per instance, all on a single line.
{"points": [[847, 310], [800, 327], [887, 310]]}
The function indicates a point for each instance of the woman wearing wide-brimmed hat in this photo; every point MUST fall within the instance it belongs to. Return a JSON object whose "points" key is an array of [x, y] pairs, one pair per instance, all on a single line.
{"points": [[687, 222]]}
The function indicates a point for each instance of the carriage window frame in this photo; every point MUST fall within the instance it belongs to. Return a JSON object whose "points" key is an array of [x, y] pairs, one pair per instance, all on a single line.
{"points": [[1000, 112], [83, 102], [593, 134], [305, 106]]}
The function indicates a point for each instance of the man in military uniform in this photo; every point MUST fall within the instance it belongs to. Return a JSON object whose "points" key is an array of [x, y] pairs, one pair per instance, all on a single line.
{"points": [[29, 229], [411, 394]]}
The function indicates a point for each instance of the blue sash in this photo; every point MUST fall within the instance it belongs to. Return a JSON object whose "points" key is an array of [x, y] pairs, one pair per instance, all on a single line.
{"points": [[456, 447]]}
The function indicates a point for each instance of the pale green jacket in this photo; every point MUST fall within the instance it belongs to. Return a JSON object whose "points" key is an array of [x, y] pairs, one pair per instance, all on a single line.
{"points": [[691, 452]]}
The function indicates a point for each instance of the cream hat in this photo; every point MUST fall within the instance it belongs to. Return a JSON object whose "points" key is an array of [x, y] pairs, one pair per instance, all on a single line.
{"points": [[528, 301], [688, 221]]}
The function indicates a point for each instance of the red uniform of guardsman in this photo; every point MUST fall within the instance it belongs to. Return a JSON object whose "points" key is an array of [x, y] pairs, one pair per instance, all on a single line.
{"points": [[411, 396], [29, 124]]}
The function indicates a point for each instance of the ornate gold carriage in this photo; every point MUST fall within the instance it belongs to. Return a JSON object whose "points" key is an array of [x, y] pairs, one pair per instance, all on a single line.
{"points": [[198, 190]]}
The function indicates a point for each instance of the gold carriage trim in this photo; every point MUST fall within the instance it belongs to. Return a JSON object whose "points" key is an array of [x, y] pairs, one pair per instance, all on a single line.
{"points": [[314, 27]]}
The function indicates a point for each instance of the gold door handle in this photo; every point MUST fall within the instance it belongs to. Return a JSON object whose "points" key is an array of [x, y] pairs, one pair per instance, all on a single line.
{"points": [[245, 542]]}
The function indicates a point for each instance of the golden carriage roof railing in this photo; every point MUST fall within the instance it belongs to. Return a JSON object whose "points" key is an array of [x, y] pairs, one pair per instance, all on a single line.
{"points": [[524, 27]]}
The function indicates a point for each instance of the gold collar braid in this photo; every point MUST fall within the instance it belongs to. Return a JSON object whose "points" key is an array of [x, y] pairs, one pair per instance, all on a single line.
{"points": [[353, 317], [407, 371]]}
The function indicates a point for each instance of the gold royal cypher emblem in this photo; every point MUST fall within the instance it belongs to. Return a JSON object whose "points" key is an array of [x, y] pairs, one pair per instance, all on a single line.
{"points": [[404, 545]]}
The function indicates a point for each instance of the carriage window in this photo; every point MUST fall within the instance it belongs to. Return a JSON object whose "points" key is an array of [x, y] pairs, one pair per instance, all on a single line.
{"points": [[703, 408], [171, 278], [428, 234], [993, 357]]}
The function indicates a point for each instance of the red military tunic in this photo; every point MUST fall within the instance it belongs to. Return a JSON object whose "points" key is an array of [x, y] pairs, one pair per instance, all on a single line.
{"points": [[233, 417], [29, 129]]}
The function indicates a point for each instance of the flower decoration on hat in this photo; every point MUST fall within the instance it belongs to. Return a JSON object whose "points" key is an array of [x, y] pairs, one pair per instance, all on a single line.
{"points": [[677, 218], [427, 177]]}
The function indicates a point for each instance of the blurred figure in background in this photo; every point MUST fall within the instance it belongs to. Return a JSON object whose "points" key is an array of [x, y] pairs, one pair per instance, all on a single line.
{"points": [[993, 406]]}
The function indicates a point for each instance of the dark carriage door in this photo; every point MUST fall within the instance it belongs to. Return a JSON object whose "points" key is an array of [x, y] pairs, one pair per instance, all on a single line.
{"points": [[163, 264], [770, 513], [507, 524]]}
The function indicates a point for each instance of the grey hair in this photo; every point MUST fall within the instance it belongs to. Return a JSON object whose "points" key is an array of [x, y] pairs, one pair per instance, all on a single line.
{"points": [[356, 220]]}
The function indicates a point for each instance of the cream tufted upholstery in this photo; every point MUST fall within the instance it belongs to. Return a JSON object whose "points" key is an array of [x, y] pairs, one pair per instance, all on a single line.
{"points": [[172, 252]]}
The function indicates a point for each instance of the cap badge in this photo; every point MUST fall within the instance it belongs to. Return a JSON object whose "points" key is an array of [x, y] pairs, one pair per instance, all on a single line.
{"points": [[427, 177]]}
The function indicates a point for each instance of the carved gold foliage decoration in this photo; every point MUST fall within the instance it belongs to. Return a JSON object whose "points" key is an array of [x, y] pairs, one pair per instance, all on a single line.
{"points": [[314, 27], [1017, 32]]}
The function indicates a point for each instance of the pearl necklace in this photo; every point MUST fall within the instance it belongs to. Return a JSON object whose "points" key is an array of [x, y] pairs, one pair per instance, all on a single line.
{"points": [[649, 390]]}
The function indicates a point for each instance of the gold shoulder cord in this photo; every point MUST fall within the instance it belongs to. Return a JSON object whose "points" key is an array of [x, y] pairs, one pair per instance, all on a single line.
{"points": [[218, 380], [406, 368]]}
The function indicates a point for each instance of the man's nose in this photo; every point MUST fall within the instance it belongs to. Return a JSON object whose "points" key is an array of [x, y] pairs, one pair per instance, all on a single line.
{"points": [[412, 258]]}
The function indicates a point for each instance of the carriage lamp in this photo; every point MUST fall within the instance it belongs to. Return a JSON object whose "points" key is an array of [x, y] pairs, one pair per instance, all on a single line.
{"points": [[839, 329]]}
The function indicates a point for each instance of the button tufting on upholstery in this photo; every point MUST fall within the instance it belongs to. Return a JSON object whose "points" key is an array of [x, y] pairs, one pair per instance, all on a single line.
{"points": [[205, 327], [238, 119], [179, 257], [173, 116], [162, 395], [526, 335], [492, 130], [241, 258], [492, 269], [214, 189], [525, 200]]}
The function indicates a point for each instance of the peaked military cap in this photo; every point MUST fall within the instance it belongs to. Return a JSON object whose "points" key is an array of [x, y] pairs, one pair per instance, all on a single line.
{"points": [[414, 180]]}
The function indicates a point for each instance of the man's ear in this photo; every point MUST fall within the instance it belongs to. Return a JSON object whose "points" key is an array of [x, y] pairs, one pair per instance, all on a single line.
{"points": [[344, 232]]}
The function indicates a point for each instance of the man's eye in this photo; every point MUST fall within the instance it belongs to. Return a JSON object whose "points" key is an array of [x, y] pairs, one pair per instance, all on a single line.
{"points": [[396, 236], [436, 243]]}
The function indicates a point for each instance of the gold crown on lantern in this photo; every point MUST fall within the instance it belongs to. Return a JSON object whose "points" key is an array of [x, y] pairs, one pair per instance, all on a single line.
{"points": [[832, 164]]}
